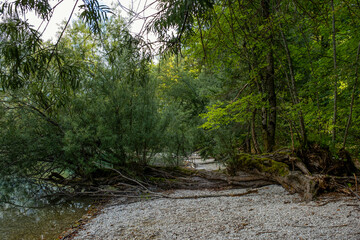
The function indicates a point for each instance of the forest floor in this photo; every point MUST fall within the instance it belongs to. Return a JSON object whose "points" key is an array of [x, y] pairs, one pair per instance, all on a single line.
{"points": [[268, 212]]}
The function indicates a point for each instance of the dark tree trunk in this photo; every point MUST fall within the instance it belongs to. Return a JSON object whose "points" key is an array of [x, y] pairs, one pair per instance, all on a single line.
{"points": [[335, 70], [272, 101], [253, 133], [268, 84]]}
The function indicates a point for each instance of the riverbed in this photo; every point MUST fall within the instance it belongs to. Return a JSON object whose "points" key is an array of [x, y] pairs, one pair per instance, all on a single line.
{"points": [[264, 213], [268, 212]]}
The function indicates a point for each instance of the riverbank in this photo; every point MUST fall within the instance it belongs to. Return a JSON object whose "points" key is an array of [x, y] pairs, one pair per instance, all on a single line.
{"points": [[93, 211], [268, 213]]}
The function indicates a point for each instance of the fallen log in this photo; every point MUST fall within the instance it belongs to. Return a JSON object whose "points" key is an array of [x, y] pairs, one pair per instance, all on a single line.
{"points": [[307, 175], [214, 195]]}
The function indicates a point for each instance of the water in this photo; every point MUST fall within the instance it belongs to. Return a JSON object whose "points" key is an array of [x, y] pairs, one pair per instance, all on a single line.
{"points": [[44, 223], [40, 218]]}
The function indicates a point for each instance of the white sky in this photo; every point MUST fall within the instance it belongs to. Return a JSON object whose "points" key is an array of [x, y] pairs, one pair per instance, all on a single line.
{"points": [[63, 11]]}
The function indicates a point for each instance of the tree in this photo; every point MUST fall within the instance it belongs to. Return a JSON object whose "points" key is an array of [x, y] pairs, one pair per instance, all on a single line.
{"points": [[276, 47], [110, 119], [23, 54]]}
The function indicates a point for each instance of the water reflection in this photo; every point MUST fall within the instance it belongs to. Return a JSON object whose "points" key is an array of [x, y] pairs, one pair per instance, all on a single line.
{"points": [[26, 214], [42, 223]]}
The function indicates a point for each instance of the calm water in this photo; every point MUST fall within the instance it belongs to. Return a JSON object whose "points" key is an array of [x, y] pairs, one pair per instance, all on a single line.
{"points": [[40, 218]]}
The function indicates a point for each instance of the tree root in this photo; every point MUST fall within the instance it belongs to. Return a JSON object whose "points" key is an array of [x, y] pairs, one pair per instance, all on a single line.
{"points": [[308, 178]]}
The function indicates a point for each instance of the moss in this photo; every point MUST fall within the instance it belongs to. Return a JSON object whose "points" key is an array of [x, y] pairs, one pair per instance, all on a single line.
{"points": [[187, 171], [279, 168], [262, 164], [282, 153]]}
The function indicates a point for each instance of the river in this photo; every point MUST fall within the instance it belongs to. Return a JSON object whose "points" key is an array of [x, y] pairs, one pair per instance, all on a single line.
{"points": [[25, 215]]}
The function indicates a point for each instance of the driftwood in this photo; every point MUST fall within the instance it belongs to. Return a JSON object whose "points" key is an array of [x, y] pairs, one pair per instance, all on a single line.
{"points": [[214, 195], [158, 179], [307, 172], [153, 181]]}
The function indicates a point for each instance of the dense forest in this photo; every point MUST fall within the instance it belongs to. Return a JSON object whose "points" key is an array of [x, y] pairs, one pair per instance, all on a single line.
{"points": [[240, 81]]}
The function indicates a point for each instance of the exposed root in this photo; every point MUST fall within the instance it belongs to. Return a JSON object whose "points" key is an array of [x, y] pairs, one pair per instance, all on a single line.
{"points": [[312, 171]]}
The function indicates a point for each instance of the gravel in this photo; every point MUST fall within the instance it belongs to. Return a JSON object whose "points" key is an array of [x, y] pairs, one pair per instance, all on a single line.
{"points": [[270, 213]]}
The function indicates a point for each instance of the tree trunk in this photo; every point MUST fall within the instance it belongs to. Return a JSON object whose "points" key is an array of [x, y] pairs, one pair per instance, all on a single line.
{"points": [[309, 172], [292, 137], [253, 133], [335, 66], [272, 101], [268, 85]]}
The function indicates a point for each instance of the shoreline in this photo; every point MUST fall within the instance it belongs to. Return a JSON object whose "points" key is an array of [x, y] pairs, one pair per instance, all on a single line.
{"points": [[269, 213], [95, 209]]}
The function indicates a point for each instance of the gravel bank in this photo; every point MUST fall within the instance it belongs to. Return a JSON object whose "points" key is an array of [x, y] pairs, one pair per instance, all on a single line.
{"points": [[271, 213]]}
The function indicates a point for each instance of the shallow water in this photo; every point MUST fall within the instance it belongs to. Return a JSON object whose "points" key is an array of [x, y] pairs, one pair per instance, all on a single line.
{"points": [[39, 223], [25, 214]]}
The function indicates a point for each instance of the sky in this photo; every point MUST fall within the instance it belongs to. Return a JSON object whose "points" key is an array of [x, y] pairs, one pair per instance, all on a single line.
{"points": [[63, 11]]}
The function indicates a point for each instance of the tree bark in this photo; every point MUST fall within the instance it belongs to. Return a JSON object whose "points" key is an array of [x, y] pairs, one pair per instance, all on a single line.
{"points": [[253, 133], [292, 136], [308, 172], [268, 85], [272, 101], [335, 66]]}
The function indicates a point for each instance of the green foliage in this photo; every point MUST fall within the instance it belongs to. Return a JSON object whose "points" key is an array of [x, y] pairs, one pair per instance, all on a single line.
{"points": [[96, 100], [93, 13], [238, 111], [180, 93], [231, 40], [28, 141], [111, 117], [177, 17], [41, 8], [24, 58]]}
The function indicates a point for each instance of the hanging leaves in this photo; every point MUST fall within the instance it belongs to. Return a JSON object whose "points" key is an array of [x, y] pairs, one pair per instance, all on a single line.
{"points": [[93, 13]]}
